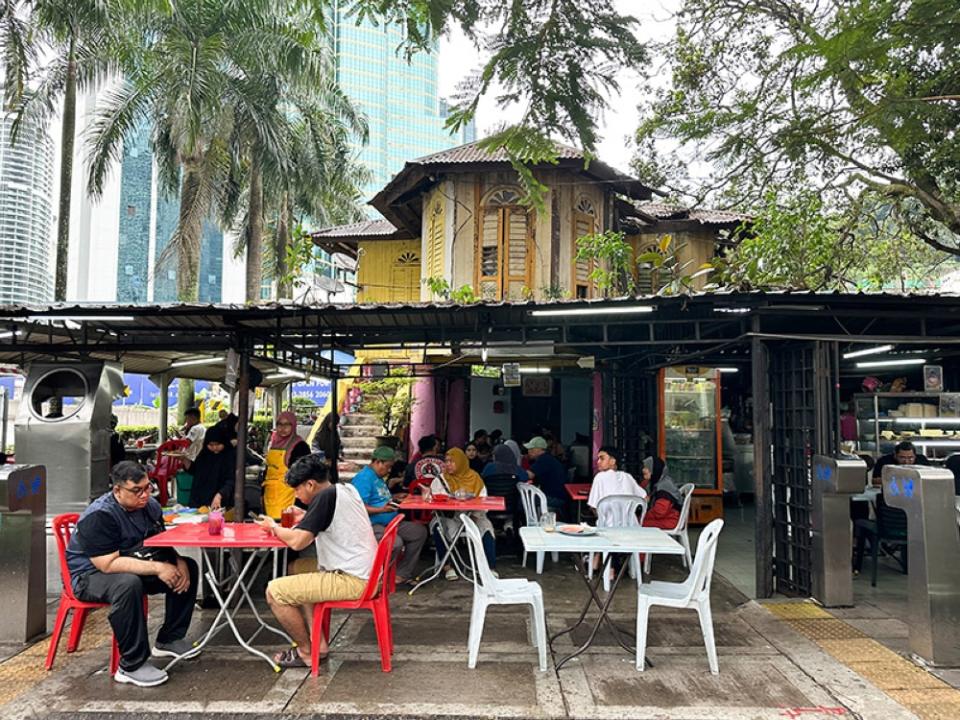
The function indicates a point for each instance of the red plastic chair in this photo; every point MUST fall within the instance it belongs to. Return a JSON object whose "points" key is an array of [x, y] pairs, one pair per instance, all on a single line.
{"points": [[375, 598], [166, 467], [62, 528], [419, 516]]}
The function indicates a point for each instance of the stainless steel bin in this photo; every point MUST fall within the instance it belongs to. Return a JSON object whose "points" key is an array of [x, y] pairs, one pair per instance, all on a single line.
{"points": [[926, 494], [835, 480], [23, 552]]}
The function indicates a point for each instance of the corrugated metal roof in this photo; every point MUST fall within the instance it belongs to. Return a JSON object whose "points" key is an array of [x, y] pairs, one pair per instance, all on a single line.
{"points": [[473, 153], [705, 216], [366, 228]]}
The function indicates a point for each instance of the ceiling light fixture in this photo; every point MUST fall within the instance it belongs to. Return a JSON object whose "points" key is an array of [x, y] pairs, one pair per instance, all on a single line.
{"points": [[534, 370], [196, 361], [891, 363], [868, 351], [728, 369], [572, 312]]}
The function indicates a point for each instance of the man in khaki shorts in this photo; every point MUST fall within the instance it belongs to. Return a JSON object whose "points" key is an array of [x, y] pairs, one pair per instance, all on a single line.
{"points": [[336, 521]]}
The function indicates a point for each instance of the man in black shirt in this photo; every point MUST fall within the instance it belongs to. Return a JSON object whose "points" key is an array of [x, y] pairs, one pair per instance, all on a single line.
{"points": [[430, 463], [903, 454], [108, 563]]}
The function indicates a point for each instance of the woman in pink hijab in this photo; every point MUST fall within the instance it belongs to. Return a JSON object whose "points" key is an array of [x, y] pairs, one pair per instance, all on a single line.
{"points": [[286, 447]]}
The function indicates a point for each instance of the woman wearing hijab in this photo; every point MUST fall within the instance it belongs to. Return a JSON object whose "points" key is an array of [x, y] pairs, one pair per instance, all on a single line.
{"points": [[665, 503], [327, 439], [214, 471], [518, 454], [286, 447], [457, 476], [504, 463]]}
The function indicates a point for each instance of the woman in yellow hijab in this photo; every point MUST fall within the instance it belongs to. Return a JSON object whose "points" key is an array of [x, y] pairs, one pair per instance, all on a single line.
{"points": [[458, 477]]}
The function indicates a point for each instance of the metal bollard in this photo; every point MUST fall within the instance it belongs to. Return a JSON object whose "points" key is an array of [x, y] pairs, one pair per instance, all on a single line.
{"points": [[23, 552], [926, 494], [835, 480]]}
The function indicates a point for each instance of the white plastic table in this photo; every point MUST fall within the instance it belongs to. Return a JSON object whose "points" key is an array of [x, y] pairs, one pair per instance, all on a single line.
{"points": [[626, 540]]}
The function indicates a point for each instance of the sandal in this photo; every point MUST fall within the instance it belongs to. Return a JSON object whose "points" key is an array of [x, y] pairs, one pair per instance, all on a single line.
{"points": [[290, 658]]}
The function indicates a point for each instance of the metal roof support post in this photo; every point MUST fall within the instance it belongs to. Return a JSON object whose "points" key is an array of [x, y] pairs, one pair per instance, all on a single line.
{"points": [[164, 406], [243, 403], [335, 409], [763, 519]]}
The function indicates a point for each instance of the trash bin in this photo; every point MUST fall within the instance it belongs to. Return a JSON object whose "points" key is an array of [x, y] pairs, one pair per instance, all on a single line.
{"points": [[23, 552], [184, 482]]}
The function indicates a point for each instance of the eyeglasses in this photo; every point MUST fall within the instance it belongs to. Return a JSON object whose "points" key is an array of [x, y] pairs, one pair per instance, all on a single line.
{"points": [[138, 491]]}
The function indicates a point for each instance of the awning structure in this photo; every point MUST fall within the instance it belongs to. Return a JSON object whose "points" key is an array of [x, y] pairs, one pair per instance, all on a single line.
{"points": [[652, 331]]}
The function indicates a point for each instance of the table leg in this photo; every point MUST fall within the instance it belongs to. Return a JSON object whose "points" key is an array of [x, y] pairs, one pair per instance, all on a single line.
{"points": [[451, 544]]}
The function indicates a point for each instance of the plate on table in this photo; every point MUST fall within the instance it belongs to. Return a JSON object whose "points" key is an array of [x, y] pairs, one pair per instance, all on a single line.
{"points": [[576, 530], [441, 498], [464, 496]]}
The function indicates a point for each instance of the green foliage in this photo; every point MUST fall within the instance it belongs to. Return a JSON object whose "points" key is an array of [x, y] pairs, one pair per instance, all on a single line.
{"points": [[857, 100], [464, 294], [440, 287], [390, 398], [553, 292], [612, 273], [669, 273], [797, 243]]}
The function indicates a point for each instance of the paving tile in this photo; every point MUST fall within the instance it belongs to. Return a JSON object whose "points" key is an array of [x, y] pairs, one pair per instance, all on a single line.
{"points": [[857, 650], [681, 631], [898, 674], [880, 627], [796, 610], [830, 629]]}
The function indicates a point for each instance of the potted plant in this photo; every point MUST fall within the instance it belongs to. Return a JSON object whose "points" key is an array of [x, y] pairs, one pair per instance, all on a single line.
{"points": [[389, 399]]}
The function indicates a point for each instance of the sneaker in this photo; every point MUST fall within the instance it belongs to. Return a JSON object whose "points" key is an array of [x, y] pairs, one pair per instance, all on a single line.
{"points": [[177, 648], [144, 676], [451, 574], [494, 573]]}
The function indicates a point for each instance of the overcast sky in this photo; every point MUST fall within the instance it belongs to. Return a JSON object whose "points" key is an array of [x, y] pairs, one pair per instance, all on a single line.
{"points": [[458, 57]]}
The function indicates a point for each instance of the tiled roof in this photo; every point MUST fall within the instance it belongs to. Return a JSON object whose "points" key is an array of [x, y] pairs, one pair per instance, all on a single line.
{"points": [[705, 216], [366, 228], [473, 153]]}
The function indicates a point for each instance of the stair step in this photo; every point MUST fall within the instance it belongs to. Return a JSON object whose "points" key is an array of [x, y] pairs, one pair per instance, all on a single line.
{"points": [[360, 419], [348, 431], [365, 443]]}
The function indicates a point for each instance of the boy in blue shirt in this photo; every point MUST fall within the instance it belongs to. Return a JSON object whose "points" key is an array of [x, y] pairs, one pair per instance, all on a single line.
{"points": [[381, 506]]}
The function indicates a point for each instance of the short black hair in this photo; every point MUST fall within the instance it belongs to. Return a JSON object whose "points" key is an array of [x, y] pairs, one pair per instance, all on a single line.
{"points": [[479, 434], [905, 447], [427, 442], [127, 471], [309, 467], [192, 412], [611, 451]]}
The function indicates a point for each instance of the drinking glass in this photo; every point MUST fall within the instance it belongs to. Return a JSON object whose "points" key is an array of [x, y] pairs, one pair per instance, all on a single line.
{"points": [[548, 521], [287, 518], [215, 522]]}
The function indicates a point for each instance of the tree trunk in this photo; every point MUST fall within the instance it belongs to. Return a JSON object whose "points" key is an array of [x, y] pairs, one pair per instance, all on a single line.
{"points": [[193, 209], [68, 135], [255, 233], [185, 397], [284, 286]]}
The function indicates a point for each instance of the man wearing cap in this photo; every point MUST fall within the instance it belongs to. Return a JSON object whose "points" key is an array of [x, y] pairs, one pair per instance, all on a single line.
{"points": [[381, 506], [547, 472]]}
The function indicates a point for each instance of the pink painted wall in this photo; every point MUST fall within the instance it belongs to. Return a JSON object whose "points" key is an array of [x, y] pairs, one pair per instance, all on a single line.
{"points": [[457, 413], [423, 416]]}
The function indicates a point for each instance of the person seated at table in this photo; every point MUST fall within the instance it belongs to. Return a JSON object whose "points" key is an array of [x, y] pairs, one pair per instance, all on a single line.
{"points": [[214, 472], [108, 563], [903, 454], [429, 463], [548, 474], [472, 451], [663, 510], [504, 462], [610, 480], [336, 522], [195, 433], [459, 477], [286, 447], [518, 453], [381, 506]]}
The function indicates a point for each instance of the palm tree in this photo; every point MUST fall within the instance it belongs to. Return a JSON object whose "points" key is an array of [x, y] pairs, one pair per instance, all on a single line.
{"points": [[81, 36]]}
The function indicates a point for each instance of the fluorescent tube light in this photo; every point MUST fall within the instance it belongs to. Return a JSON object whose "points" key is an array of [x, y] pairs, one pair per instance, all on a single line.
{"points": [[728, 369], [196, 361], [633, 309], [731, 310], [925, 421], [80, 318], [891, 363], [535, 370], [282, 376], [4, 335], [868, 351]]}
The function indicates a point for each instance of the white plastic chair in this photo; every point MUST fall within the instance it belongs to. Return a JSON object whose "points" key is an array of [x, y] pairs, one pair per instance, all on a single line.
{"points": [[489, 590], [534, 505], [680, 531], [619, 511], [694, 592]]}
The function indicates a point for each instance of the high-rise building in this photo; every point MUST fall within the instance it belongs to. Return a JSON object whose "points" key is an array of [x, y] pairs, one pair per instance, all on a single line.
{"points": [[27, 247], [405, 114]]}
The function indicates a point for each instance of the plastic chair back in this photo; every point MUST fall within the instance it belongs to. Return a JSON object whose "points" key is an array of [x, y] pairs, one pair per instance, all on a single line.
{"points": [[686, 492], [534, 502], [481, 571], [891, 521], [701, 575], [419, 516], [503, 485], [620, 511], [381, 575], [63, 527]]}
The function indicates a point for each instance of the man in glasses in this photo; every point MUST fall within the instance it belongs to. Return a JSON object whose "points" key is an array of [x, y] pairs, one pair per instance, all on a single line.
{"points": [[108, 563]]}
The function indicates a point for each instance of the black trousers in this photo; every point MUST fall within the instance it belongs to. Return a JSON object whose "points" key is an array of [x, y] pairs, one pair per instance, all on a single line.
{"points": [[124, 592]]}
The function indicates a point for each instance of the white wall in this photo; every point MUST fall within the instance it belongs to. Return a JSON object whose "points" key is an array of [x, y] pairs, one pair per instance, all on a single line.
{"points": [[481, 407]]}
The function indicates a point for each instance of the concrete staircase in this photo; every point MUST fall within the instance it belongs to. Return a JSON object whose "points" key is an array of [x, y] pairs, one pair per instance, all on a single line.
{"points": [[358, 435]]}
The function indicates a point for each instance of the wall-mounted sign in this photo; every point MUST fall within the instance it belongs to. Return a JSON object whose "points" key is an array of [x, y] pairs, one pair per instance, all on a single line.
{"points": [[933, 378], [537, 386], [511, 374]]}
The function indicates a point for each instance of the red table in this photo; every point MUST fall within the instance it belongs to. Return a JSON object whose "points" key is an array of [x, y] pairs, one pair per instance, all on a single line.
{"points": [[236, 536], [451, 505], [578, 492]]}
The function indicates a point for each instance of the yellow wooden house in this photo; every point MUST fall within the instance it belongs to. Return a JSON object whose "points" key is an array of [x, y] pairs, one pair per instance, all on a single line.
{"points": [[455, 219]]}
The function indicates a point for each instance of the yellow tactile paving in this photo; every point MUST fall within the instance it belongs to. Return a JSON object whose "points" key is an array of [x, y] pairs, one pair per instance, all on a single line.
{"points": [[24, 670], [907, 684]]}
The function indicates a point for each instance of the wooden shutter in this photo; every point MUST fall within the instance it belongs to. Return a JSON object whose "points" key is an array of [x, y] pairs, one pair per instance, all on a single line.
{"points": [[582, 286], [488, 254], [435, 242], [517, 254]]}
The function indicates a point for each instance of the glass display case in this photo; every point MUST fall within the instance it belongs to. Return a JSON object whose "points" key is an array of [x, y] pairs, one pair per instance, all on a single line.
{"points": [[931, 421], [689, 437]]}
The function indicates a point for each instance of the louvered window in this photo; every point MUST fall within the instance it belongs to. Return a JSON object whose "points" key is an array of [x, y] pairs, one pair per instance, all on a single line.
{"points": [[584, 223], [504, 262], [435, 241]]}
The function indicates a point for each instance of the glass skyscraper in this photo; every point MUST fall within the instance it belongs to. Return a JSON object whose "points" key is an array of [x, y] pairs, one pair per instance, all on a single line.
{"points": [[26, 214]]}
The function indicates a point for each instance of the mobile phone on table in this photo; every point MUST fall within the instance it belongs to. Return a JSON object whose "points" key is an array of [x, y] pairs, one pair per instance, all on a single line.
{"points": [[253, 516]]}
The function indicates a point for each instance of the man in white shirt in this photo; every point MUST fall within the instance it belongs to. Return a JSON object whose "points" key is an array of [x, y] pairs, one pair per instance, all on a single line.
{"points": [[610, 480], [195, 433], [336, 522]]}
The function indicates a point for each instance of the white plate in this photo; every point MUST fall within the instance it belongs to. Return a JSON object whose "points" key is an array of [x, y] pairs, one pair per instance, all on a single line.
{"points": [[580, 531]]}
